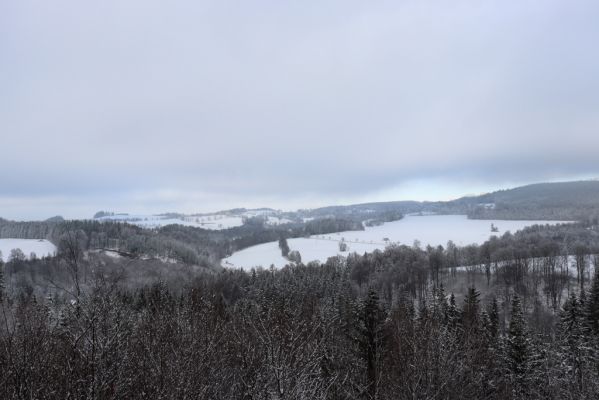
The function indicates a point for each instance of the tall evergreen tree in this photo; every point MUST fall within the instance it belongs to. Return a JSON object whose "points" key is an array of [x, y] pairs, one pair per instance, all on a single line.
{"points": [[471, 312], [592, 306], [1, 279], [373, 318], [572, 341], [284, 246], [453, 314], [490, 350], [571, 317], [493, 313], [440, 306], [518, 349]]}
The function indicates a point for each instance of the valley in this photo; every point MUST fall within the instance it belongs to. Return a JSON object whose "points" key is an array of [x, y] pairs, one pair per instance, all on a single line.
{"points": [[428, 230]]}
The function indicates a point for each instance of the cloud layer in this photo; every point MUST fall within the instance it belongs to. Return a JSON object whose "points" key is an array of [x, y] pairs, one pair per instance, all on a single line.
{"points": [[194, 105]]}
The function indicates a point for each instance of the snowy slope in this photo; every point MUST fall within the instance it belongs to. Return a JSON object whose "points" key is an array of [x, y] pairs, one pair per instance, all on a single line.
{"points": [[213, 222], [216, 221], [41, 248], [431, 229]]}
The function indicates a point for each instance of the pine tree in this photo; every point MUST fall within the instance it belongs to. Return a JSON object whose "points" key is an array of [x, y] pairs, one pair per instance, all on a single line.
{"points": [[493, 313], [518, 348], [491, 350], [571, 317], [592, 306], [471, 311], [440, 306], [284, 246], [573, 342], [1, 279], [453, 314], [373, 318]]}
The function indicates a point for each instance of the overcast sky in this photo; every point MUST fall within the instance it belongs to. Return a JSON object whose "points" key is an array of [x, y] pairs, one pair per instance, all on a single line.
{"points": [[151, 106]]}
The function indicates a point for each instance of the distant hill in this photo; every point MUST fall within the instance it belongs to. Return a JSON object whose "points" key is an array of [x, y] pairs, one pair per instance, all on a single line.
{"points": [[559, 201], [564, 201], [365, 209], [57, 218]]}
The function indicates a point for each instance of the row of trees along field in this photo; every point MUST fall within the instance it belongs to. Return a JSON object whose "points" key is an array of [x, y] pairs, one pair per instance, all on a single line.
{"points": [[188, 245], [407, 322]]}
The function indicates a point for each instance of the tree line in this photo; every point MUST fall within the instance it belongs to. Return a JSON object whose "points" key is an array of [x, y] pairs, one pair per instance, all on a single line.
{"points": [[189, 245]]}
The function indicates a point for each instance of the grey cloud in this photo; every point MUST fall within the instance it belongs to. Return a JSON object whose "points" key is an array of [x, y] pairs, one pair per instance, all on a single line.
{"points": [[262, 102]]}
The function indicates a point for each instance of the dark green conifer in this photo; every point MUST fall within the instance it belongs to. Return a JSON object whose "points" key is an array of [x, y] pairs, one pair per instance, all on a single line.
{"points": [[518, 349], [592, 306]]}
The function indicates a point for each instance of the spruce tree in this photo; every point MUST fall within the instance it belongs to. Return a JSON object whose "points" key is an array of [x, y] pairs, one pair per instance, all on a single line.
{"points": [[518, 348], [284, 246], [493, 313], [592, 306], [571, 316], [440, 305], [373, 318], [490, 350], [572, 341], [453, 314], [1, 279], [471, 311]]}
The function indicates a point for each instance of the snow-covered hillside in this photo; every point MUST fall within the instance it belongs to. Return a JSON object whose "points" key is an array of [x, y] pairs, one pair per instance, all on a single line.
{"points": [[40, 247], [215, 221]]}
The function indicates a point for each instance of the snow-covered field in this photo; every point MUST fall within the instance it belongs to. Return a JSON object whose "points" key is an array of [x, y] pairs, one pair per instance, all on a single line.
{"points": [[212, 221], [429, 229], [263, 255], [41, 247]]}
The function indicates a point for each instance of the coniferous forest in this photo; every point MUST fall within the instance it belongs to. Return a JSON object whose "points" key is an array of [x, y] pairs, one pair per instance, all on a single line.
{"points": [[503, 320]]}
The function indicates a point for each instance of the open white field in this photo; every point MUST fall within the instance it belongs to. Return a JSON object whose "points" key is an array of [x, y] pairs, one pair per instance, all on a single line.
{"points": [[212, 221], [40, 247], [429, 229]]}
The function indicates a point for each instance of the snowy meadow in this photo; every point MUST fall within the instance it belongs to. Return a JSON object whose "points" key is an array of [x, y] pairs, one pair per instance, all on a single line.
{"points": [[427, 230], [40, 247]]}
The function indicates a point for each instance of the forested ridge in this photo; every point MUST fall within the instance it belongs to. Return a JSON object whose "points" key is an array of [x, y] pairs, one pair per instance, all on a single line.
{"points": [[558, 201], [407, 322], [561, 201]]}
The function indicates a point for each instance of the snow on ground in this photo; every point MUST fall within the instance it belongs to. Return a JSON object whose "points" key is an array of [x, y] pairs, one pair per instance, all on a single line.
{"points": [[589, 269], [215, 222], [428, 229], [256, 256], [277, 220], [40, 247], [211, 221]]}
